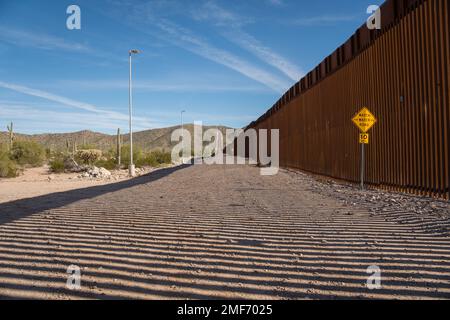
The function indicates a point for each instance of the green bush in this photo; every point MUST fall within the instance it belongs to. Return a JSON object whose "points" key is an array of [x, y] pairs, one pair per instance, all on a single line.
{"points": [[138, 155], [162, 157], [48, 153], [28, 153], [107, 163], [57, 165], [146, 160], [8, 168], [3, 148], [165, 158], [155, 159], [110, 154]]}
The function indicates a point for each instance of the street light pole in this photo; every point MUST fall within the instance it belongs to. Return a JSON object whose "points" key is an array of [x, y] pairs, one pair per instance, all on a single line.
{"points": [[132, 168], [182, 133]]}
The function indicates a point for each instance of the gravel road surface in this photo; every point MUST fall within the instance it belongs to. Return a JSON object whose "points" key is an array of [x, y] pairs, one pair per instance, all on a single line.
{"points": [[204, 232]]}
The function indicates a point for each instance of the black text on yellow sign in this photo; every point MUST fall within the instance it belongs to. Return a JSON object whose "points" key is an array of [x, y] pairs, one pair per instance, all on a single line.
{"points": [[364, 138], [364, 120]]}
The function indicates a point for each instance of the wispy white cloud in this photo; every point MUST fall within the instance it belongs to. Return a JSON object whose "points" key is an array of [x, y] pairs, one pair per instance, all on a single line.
{"points": [[184, 38], [206, 118], [51, 97], [54, 119], [266, 54], [111, 115], [188, 86], [210, 11], [233, 23], [42, 41], [323, 20], [39, 40], [28, 120], [38, 118], [276, 2], [151, 18]]}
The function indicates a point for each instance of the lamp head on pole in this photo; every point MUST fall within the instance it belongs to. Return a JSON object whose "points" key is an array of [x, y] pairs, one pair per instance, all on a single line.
{"points": [[134, 51]]}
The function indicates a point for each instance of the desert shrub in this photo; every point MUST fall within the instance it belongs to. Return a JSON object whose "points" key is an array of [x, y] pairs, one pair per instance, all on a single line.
{"points": [[107, 163], [28, 153], [138, 155], [161, 157], [146, 160], [64, 162], [165, 157], [87, 146], [57, 165], [110, 154], [48, 153], [8, 168], [3, 148], [88, 157], [155, 159]]}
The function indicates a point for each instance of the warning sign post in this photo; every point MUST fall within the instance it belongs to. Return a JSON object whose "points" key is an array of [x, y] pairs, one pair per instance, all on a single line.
{"points": [[364, 120]]}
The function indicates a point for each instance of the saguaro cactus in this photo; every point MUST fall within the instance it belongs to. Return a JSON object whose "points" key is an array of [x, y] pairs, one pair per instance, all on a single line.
{"points": [[119, 147], [74, 148], [11, 135]]}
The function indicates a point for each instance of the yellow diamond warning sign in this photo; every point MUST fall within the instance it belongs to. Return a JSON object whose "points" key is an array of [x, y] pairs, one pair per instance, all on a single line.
{"points": [[364, 120]]}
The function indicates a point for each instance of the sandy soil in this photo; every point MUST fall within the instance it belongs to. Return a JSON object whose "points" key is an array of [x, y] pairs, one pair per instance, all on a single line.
{"points": [[39, 181], [204, 232]]}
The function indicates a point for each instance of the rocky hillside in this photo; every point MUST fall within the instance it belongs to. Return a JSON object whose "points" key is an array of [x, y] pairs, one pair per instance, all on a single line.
{"points": [[148, 140]]}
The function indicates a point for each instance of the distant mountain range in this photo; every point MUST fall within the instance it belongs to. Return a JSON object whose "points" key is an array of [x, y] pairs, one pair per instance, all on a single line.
{"points": [[148, 140]]}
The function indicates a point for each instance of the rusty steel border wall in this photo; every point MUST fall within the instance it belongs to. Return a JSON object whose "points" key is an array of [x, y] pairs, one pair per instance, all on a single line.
{"points": [[401, 73]]}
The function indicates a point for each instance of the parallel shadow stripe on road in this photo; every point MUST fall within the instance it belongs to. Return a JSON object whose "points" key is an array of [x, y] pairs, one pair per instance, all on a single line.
{"points": [[165, 238], [9, 211]]}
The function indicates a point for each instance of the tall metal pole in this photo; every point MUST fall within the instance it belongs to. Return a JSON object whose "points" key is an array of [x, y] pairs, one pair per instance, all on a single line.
{"points": [[182, 133], [130, 100], [362, 165]]}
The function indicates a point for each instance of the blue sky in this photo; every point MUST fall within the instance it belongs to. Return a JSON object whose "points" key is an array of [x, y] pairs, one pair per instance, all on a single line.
{"points": [[223, 61]]}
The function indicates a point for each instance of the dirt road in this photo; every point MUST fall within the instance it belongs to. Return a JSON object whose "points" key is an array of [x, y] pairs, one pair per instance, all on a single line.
{"points": [[217, 232], [40, 181]]}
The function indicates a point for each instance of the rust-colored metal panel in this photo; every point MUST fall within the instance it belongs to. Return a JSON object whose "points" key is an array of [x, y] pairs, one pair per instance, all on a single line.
{"points": [[323, 69], [400, 8], [291, 94], [334, 61], [402, 75], [364, 35], [389, 10], [309, 81], [303, 84], [348, 51], [297, 89], [445, 18], [313, 77]]}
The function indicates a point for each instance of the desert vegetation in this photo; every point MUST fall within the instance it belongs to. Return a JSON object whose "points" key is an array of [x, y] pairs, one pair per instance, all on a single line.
{"points": [[28, 153], [21, 154], [8, 168], [88, 157], [18, 154]]}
